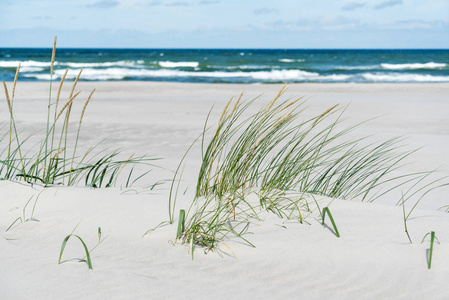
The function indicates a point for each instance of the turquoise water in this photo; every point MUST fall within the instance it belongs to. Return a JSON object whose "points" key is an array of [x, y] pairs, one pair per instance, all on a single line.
{"points": [[230, 66]]}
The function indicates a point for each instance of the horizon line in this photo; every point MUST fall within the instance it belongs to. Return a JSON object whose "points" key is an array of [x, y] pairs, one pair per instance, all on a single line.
{"points": [[218, 48]]}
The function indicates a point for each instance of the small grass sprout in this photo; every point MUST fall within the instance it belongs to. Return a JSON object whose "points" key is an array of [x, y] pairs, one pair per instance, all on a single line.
{"points": [[432, 240], [86, 258], [23, 218], [64, 243], [328, 212]]}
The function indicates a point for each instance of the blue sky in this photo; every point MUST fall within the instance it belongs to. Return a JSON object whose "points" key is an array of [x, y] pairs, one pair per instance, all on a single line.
{"points": [[225, 23]]}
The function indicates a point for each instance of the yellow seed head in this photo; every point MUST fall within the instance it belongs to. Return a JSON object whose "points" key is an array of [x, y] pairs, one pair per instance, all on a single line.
{"points": [[7, 97], [15, 82], [53, 57], [59, 90], [85, 105], [66, 104], [325, 113]]}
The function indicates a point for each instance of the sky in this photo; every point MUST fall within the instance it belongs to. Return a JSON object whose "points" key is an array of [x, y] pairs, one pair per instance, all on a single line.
{"points": [[225, 23]]}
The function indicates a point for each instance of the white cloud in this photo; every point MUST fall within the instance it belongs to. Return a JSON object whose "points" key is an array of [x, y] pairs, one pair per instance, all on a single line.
{"points": [[388, 3], [412, 24], [353, 5], [209, 2], [265, 11], [105, 4]]}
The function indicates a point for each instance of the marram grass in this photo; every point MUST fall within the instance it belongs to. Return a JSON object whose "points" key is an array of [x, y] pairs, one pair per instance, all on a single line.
{"points": [[276, 151], [52, 161]]}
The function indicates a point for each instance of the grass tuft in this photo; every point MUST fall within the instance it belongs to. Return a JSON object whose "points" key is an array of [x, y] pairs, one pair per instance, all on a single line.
{"points": [[54, 162], [275, 151]]}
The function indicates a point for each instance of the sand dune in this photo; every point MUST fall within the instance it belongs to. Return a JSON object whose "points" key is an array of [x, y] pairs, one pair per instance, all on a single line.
{"points": [[372, 259]]}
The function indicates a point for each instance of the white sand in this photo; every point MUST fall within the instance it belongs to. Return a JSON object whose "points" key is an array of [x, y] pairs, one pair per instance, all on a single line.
{"points": [[372, 260]]}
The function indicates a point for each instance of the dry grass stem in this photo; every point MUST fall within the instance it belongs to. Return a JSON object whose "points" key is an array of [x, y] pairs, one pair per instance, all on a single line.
{"points": [[291, 103], [15, 82], [224, 112], [236, 104], [282, 91], [67, 104], [7, 98], [75, 82], [85, 105], [69, 110], [325, 113], [60, 88], [124, 164]]}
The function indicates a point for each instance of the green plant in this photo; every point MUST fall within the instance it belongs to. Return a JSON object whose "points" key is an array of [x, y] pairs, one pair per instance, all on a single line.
{"points": [[87, 258], [64, 242], [54, 162], [23, 218], [274, 151], [328, 212], [432, 239], [181, 223], [405, 221]]}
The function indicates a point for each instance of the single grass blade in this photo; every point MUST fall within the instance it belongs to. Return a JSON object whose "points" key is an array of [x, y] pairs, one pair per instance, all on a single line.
{"points": [[18, 219], [64, 243], [181, 223], [326, 210], [432, 240]]}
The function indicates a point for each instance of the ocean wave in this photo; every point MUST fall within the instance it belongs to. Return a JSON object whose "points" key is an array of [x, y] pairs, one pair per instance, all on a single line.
{"points": [[122, 73], [28, 63], [31, 69], [181, 64], [237, 76], [244, 67], [404, 78], [371, 67], [288, 60], [122, 63], [429, 65]]}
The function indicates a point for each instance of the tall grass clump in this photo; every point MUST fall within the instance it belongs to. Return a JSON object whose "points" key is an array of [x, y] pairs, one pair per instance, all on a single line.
{"points": [[53, 160], [275, 150]]}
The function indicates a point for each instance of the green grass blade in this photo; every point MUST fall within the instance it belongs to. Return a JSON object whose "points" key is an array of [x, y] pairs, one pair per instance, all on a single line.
{"points": [[181, 223], [326, 210], [64, 243], [19, 218], [432, 239]]}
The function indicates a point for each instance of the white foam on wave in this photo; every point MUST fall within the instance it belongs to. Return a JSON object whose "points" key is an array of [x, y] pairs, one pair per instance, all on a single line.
{"points": [[289, 60], [31, 69], [414, 66], [404, 78], [122, 63], [180, 64], [39, 64], [370, 67], [122, 73], [28, 63], [274, 75], [244, 67]]}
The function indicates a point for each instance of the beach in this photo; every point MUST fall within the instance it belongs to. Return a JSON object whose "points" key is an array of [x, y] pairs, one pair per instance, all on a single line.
{"points": [[373, 258]]}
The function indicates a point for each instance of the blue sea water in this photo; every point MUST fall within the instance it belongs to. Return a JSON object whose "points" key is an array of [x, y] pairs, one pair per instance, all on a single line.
{"points": [[230, 65]]}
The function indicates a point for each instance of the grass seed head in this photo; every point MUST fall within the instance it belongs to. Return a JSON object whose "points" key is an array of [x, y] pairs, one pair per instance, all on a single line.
{"points": [[53, 53]]}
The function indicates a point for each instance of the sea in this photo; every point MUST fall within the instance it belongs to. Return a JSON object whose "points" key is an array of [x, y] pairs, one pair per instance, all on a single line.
{"points": [[230, 65]]}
